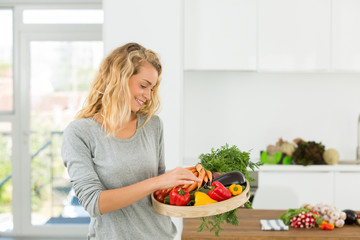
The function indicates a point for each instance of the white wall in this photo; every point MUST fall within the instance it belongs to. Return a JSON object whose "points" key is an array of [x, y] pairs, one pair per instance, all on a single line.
{"points": [[205, 109], [156, 25], [252, 110]]}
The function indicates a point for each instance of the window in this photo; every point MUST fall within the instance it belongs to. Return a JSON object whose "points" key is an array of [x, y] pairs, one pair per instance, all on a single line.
{"points": [[63, 16], [48, 58], [61, 74], [6, 222], [6, 60], [6, 108]]}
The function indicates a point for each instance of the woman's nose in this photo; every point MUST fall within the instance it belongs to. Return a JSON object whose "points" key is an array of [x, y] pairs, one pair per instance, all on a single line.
{"points": [[147, 93]]}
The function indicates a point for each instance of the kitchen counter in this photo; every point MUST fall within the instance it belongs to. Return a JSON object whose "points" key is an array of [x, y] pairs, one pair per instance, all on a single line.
{"points": [[310, 168], [249, 228]]}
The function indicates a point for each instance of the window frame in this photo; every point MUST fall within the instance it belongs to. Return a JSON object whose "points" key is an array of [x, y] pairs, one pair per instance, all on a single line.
{"points": [[19, 118]]}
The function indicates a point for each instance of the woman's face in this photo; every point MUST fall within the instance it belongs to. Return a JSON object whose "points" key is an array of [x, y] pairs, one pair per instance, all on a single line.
{"points": [[141, 86]]}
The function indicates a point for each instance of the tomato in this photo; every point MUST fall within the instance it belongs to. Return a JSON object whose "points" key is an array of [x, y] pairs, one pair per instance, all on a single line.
{"points": [[160, 195]]}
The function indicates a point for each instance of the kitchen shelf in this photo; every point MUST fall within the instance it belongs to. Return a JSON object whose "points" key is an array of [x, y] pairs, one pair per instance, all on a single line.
{"points": [[311, 168]]}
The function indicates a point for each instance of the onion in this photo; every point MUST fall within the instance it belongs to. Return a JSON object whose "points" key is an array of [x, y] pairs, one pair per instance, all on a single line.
{"points": [[216, 175]]}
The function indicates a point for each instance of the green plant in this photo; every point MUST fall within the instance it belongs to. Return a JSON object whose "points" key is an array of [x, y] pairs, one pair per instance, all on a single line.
{"points": [[213, 223], [226, 159]]}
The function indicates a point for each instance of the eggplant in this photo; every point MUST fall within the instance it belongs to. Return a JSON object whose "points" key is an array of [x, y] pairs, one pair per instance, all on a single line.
{"points": [[234, 177], [351, 216]]}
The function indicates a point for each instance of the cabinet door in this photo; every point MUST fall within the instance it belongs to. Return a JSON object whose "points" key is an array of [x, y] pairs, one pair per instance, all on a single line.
{"points": [[292, 189], [220, 35], [294, 35], [347, 190], [346, 35]]}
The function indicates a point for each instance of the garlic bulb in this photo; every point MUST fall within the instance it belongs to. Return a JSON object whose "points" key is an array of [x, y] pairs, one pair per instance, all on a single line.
{"points": [[329, 213], [339, 223], [324, 210], [326, 218], [342, 215], [335, 215]]}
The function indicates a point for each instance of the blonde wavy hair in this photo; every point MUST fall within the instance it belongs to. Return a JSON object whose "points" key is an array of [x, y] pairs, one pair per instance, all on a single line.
{"points": [[109, 96]]}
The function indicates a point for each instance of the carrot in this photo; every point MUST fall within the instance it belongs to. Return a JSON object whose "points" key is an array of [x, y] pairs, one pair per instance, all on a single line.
{"points": [[206, 179], [194, 170], [186, 185], [201, 176], [209, 174], [190, 168], [196, 174], [192, 186], [169, 189], [198, 167]]}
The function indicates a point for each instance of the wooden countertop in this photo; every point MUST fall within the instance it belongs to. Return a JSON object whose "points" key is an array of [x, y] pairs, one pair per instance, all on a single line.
{"points": [[249, 228]]}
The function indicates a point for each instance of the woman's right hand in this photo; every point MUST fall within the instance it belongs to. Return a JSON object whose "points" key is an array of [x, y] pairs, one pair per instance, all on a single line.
{"points": [[177, 176], [113, 199]]}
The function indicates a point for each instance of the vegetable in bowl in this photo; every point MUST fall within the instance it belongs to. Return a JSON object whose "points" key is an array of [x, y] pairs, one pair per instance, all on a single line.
{"points": [[225, 160]]}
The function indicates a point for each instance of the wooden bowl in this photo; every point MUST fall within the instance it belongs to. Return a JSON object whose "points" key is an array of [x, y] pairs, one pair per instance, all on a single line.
{"points": [[202, 210]]}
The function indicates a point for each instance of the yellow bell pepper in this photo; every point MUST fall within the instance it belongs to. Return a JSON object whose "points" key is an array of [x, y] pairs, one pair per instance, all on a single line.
{"points": [[203, 199], [235, 189]]}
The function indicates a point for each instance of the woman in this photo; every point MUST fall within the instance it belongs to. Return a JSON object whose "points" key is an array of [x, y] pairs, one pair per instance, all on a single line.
{"points": [[114, 151]]}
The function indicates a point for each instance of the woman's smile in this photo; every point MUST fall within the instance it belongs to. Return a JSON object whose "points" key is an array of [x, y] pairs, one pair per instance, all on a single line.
{"points": [[139, 101]]}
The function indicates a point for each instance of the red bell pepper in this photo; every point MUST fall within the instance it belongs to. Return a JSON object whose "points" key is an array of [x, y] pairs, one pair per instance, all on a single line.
{"points": [[179, 196], [219, 192], [326, 226]]}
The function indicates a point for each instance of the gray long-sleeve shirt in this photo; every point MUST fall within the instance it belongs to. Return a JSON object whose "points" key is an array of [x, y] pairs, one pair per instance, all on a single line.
{"points": [[97, 162]]}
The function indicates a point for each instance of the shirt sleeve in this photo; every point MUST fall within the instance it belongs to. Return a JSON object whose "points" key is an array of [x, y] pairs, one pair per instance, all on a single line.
{"points": [[162, 167], [77, 157]]}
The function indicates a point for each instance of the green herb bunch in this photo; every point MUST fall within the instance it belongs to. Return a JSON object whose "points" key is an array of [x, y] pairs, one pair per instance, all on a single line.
{"points": [[227, 159], [214, 222]]}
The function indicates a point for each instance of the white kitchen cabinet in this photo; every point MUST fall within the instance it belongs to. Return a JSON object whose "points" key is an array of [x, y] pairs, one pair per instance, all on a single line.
{"points": [[293, 185], [346, 35], [220, 35], [294, 35], [347, 190], [304, 187]]}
